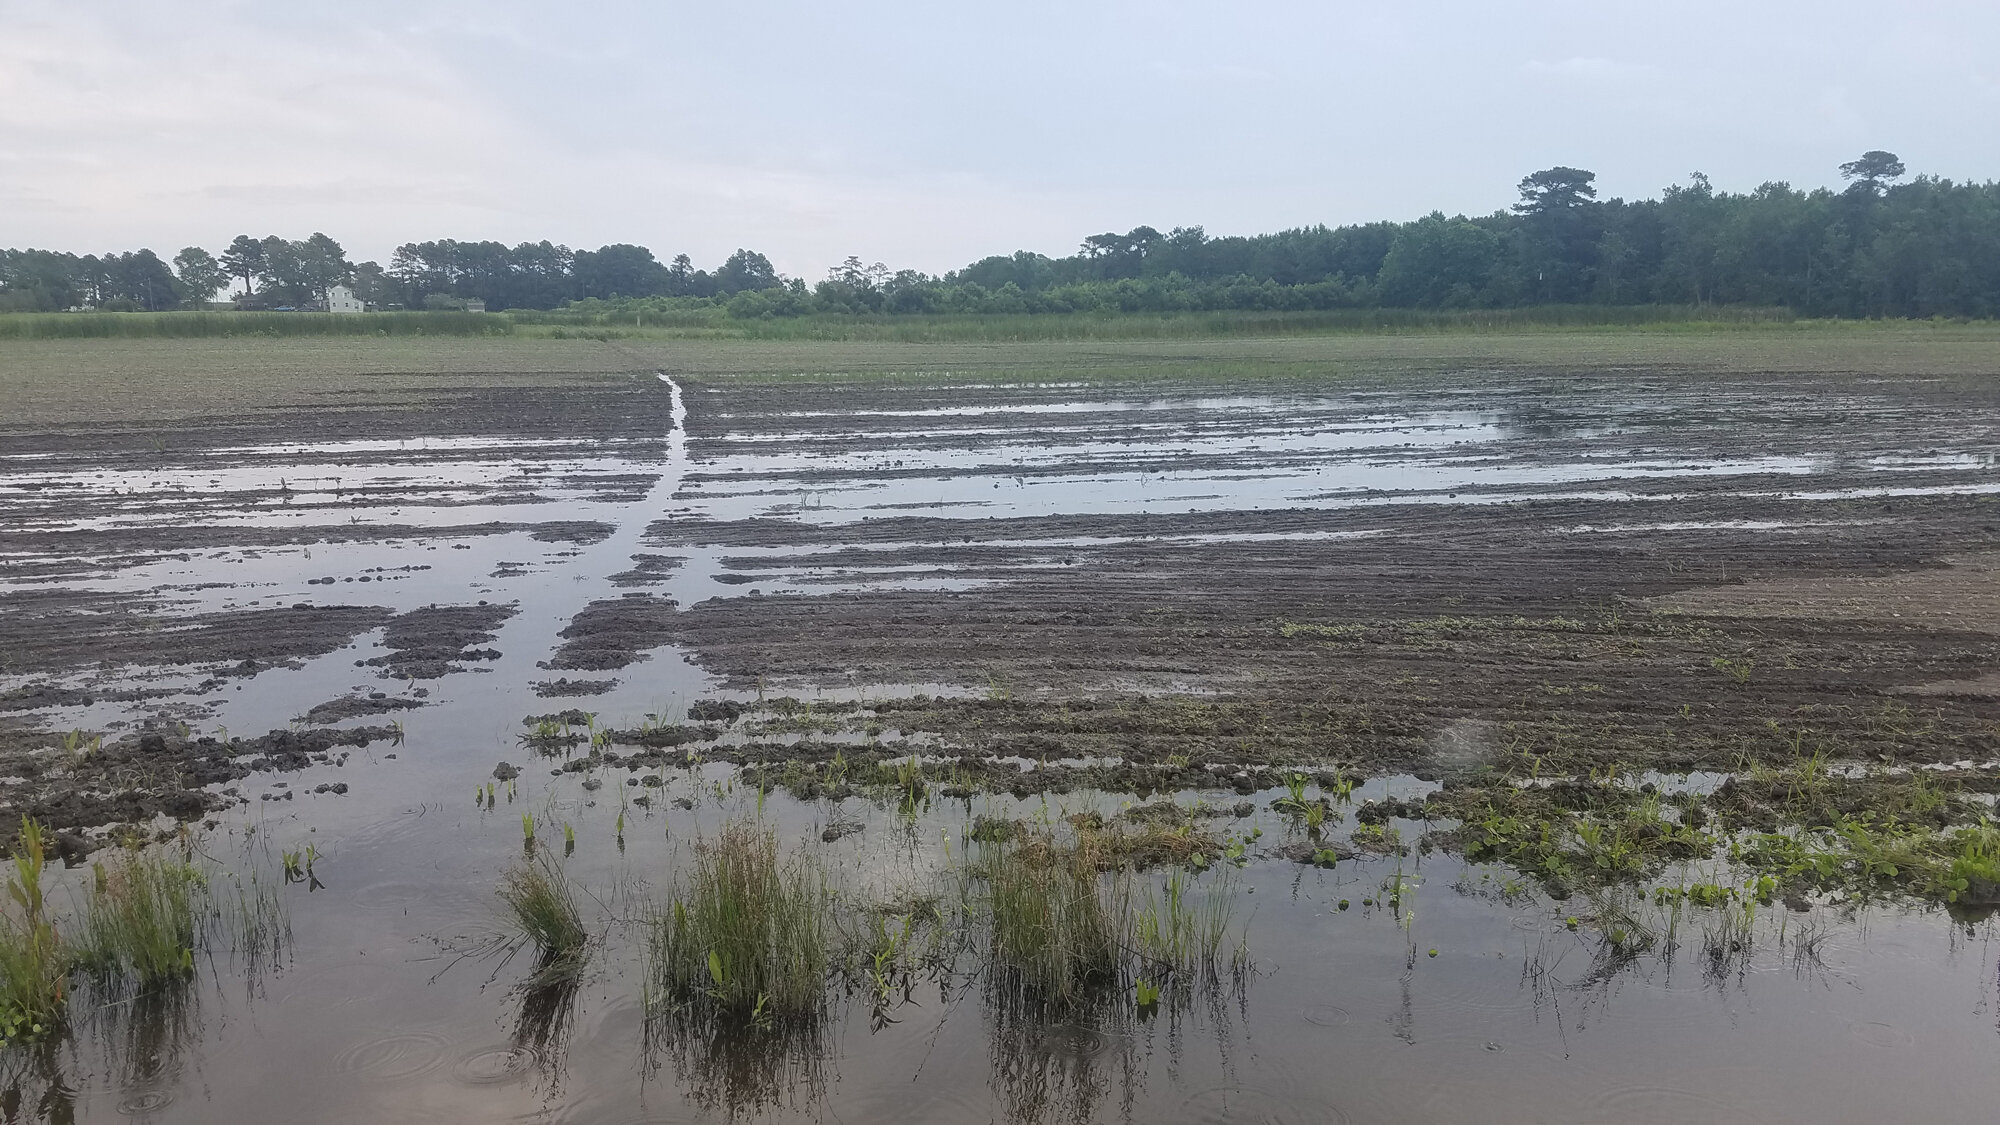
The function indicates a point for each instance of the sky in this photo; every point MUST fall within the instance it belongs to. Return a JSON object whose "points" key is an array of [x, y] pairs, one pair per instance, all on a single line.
{"points": [[926, 135]]}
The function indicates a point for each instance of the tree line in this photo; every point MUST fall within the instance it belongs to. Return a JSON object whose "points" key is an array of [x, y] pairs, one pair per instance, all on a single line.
{"points": [[1884, 244], [278, 273]]}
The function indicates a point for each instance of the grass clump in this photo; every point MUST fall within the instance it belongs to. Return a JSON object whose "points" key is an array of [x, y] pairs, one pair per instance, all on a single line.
{"points": [[1057, 927], [1065, 925], [748, 933], [1176, 933], [542, 907], [142, 921]]}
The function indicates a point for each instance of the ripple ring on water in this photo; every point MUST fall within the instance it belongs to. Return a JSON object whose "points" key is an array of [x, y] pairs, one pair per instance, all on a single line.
{"points": [[1242, 1103], [1637, 1104], [139, 1103], [1327, 1015], [393, 1057], [495, 1065], [1878, 1034]]}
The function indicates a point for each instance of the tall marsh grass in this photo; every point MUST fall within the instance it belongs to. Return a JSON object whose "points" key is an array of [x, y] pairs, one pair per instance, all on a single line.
{"points": [[543, 909], [142, 921], [141, 925], [748, 932], [1057, 926], [1179, 931], [1064, 923]]}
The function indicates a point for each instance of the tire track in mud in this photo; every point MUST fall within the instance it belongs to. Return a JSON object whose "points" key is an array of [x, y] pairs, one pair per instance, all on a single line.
{"points": [[543, 620]]}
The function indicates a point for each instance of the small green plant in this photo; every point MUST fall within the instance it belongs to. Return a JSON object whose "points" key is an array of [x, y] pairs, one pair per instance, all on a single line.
{"points": [[1342, 789], [34, 967], [1737, 670], [910, 782], [1295, 788], [1146, 993]]}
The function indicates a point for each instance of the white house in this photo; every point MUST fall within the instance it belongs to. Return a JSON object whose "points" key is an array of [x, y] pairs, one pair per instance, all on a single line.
{"points": [[341, 299]]}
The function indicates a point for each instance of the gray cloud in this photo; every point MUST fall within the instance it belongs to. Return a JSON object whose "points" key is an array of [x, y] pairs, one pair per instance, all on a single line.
{"points": [[925, 135]]}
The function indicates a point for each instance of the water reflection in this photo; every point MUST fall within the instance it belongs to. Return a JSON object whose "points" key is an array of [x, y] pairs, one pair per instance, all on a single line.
{"points": [[742, 1067], [139, 1042], [545, 1021], [1091, 1058]]}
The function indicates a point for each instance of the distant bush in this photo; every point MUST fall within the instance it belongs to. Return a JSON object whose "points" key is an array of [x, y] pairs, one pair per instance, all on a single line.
{"points": [[22, 326]]}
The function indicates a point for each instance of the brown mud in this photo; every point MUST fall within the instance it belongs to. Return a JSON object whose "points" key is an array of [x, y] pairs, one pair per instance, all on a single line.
{"points": [[160, 772], [1420, 612]]}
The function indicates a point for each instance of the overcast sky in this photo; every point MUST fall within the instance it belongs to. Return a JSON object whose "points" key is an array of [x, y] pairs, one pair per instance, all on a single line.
{"points": [[928, 134]]}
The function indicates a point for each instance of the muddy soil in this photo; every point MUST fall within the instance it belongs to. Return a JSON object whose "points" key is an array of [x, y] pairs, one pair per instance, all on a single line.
{"points": [[1445, 570], [159, 773], [55, 630], [615, 633], [1607, 596], [435, 641]]}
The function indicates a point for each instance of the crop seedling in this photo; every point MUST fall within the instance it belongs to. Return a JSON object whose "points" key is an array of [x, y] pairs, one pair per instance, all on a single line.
{"points": [[299, 866], [1295, 789], [34, 966], [1737, 670], [1342, 789]]}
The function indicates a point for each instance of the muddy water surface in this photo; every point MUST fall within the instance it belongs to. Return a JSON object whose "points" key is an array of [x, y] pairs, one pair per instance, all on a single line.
{"points": [[1474, 998]]}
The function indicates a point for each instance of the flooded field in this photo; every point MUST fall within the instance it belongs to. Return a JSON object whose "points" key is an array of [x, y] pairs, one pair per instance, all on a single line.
{"points": [[1374, 730]]}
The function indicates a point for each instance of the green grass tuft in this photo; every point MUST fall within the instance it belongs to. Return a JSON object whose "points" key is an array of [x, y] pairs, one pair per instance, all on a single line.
{"points": [[1057, 928], [543, 909], [748, 933], [142, 921]]}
